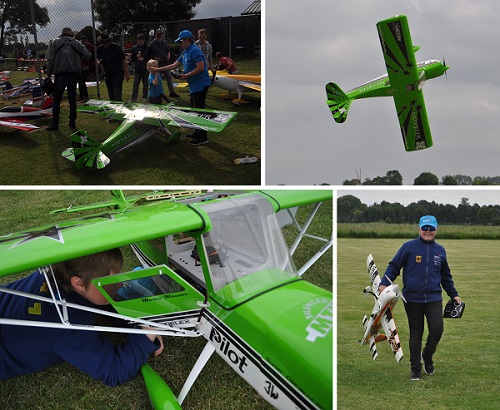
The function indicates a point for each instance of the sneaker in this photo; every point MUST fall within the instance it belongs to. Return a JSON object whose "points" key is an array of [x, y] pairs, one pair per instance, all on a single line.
{"points": [[428, 366], [174, 94], [198, 141], [416, 375], [52, 127]]}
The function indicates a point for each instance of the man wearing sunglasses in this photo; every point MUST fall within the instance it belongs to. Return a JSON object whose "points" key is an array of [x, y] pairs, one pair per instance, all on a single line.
{"points": [[425, 274]]}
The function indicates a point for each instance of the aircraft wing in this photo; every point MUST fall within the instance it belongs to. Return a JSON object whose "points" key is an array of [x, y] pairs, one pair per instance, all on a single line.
{"points": [[23, 126], [399, 56], [392, 333], [37, 247], [288, 199], [250, 85], [162, 115]]}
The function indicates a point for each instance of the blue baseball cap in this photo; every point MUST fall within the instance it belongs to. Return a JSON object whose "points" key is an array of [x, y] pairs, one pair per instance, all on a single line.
{"points": [[184, 34], [428, 220]]}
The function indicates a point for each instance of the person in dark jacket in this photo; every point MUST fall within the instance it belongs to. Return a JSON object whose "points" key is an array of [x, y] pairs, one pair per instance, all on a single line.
{"points": [[64, 60], [425, 273], [27, 349], [140, 57], [112, 58]]}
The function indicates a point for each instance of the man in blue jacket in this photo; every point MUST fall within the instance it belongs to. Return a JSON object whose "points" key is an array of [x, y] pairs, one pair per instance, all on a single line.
{"points": [[425, 274], [27, 349]]}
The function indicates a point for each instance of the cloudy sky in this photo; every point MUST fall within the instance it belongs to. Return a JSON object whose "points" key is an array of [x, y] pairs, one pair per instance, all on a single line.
{"points": [[442, 195], [307, 47]]}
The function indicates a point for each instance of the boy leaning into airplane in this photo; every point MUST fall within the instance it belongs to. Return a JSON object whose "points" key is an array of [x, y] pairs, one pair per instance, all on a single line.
{"points": [[26, 349]]}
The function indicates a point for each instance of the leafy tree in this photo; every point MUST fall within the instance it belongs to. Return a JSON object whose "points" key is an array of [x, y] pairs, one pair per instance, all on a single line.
{"points": [[15, 17], [347, 206], [113, 12], [449, 180], [426, 178]]}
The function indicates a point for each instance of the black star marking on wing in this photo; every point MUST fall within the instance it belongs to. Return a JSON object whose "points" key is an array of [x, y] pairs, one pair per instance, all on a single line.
{"points": [[52, 232]]}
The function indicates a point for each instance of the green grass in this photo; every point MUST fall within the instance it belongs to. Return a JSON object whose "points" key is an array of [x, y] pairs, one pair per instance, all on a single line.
{"points": [[407, 231], [466, 361], [65, 387], [35, 158]]}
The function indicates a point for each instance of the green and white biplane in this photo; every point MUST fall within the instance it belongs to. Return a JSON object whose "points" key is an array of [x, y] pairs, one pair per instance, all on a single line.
{"points": [[239, 290], [139, 122], [404, 81]]}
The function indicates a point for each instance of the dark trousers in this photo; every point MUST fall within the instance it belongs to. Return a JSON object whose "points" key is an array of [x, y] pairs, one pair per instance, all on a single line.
{"points": [[140, 75], [416, 312], [64, 81], [197, 100], [114, 85]]}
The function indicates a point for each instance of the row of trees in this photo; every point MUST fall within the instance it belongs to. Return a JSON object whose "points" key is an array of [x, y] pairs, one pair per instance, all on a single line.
{"points": [[425, 178], [16, 18], [350, 209]]}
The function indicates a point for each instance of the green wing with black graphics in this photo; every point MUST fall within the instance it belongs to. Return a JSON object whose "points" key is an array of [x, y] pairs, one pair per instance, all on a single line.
{"points": [[399, 56]]}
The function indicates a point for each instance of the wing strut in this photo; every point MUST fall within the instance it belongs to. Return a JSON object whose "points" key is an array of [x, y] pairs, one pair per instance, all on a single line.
{"points": [[207, 352]]}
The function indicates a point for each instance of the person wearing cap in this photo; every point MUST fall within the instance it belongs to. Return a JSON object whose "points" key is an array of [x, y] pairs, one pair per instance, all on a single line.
{"points": [[64, 61], [425, 273], [111, 56], [160, 51], [88, 68], [196, 74]]}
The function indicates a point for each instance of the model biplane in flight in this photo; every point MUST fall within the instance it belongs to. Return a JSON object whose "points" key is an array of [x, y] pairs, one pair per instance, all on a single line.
{"points": [[239, 83], [215, 265], [382, 314], [139, 122], [404, 81]]}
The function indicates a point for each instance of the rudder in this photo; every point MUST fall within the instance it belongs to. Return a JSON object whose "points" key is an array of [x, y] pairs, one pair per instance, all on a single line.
{"points": [[338, 102]]}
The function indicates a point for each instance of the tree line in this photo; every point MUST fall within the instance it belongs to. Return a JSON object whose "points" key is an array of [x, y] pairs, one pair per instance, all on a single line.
{"points": [[394, 177], [350, 209]]}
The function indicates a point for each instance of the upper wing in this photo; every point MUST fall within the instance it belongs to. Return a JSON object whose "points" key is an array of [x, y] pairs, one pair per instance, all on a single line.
{"points": [[282, 199], [399, 56], [162, 115], [373, 273], [37, 247], [18, 125]]}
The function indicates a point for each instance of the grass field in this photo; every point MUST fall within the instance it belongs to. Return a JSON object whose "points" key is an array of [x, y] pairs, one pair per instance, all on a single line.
{"points": [[408, 231], [466, 361], [64, 387], [35, 158]]}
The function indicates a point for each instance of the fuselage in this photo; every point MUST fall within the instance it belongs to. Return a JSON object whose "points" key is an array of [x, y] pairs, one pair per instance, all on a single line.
{"points": [[381, 86]]}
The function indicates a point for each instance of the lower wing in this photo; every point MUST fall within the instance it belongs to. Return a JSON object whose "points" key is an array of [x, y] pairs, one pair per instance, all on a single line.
{"points": [[23, 126], [413, 120], [392, 333]]}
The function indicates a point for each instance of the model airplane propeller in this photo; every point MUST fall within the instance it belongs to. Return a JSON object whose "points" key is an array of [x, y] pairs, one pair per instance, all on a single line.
{"points": [[404, 81], [139, 122], [382, 314], [273, 328]]}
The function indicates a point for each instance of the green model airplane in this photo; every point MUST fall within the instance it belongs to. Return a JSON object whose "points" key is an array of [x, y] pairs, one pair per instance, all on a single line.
{"points": [[215, 265], [404, 81], [140, 121]]}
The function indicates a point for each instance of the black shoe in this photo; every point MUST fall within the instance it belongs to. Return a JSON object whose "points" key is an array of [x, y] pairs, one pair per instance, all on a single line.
{"points": [[174, 94], [52, 127], [416, 375], [198, 141], [428, 366]]}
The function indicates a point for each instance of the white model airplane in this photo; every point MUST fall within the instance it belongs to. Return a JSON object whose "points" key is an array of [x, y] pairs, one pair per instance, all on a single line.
{"points": [[236, 82], [381, 315]]}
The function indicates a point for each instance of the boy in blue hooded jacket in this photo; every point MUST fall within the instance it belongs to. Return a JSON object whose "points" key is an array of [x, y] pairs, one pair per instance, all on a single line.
{"points": [[26, 349], [425, 274]]}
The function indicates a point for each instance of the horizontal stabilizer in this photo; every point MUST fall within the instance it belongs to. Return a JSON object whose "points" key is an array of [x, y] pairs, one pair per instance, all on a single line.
{"points": [[86, 152], [338, 102]]}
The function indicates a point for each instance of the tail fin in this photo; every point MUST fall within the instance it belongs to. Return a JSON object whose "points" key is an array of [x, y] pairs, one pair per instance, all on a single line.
{"points": [[86, 152], [338, 102]]}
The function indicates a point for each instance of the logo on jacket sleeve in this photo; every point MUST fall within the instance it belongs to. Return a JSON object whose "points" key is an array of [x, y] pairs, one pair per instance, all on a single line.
{"points": [[418, 258]]}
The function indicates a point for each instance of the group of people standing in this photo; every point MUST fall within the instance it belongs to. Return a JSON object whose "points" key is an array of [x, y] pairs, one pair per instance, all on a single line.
{"points": [[76, 61]]}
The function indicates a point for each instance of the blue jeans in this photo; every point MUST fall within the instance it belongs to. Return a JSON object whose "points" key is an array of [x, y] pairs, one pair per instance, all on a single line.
{"points": [[416, 313]]}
